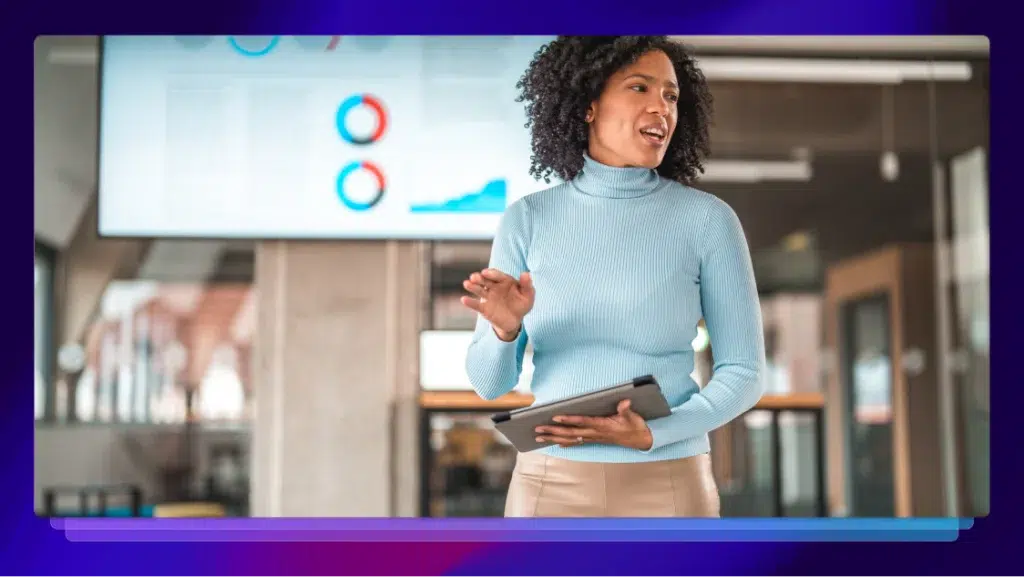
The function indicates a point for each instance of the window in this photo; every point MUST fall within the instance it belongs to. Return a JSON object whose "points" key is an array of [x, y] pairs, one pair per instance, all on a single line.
{"points": [[153, 341], [45, 258]]}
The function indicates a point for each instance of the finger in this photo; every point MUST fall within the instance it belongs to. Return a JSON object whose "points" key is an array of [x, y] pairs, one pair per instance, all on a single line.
{"points": [[624, 408], [474, 288], [560, 441], [481, 280], [495, 275], [581, 422], [526, 283], [626, 412], [568, 432], [472, 303]]}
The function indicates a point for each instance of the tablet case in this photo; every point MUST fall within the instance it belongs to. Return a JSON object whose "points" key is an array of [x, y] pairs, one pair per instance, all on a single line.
{"points": [[519, 426]]}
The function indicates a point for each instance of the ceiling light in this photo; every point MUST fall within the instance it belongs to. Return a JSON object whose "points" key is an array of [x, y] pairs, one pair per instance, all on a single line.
{"points": [[750, 171], [973, 45], [796, 242], [889, 166], [832, 70]]}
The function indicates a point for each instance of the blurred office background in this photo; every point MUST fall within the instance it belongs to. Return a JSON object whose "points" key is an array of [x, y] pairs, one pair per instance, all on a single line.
{"points": [[216, 377]]}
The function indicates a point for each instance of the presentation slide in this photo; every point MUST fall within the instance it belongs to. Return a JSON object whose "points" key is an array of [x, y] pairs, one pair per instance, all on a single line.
{"points": [[312, 137]]}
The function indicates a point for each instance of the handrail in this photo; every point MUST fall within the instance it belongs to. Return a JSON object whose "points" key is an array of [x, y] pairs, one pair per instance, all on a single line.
{"points": [[103, 493]]}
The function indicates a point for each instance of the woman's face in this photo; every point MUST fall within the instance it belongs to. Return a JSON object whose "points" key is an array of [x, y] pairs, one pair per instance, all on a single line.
{"points": [[632, 122]]}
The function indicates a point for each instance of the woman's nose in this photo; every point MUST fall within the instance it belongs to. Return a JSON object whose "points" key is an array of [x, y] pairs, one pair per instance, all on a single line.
{"points": [[659, 105]]}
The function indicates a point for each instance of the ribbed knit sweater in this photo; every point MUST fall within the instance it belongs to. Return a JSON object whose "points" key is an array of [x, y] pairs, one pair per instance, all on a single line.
{"points": [[625, 263]]}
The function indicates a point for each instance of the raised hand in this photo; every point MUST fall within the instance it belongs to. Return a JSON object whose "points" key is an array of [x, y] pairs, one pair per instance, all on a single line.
{"points": [[501, 299]]}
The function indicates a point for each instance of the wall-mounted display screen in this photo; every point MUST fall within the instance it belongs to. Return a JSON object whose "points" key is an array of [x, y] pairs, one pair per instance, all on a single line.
{"points": [[312, 136]]}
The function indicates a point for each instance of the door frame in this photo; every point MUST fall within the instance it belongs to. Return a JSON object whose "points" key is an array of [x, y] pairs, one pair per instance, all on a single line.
{"points": [[873, 274]]}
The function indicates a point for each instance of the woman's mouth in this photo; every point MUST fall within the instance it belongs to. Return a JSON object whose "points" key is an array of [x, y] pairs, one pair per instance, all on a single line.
{"points": [[655, 136]]}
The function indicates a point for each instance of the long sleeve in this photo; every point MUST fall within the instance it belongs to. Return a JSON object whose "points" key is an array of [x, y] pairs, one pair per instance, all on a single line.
{"points": [[493, 365], [732, 313]]}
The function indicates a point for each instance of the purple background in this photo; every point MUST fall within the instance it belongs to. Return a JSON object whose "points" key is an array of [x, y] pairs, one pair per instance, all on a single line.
{"points": [[31, 546]]}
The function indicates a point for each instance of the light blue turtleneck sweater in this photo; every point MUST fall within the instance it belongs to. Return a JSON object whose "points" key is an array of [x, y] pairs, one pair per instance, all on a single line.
{"points": [[625, 264]]}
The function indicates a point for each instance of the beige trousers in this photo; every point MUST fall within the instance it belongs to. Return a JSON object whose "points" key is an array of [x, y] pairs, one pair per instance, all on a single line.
{"points": [[545, 486]]}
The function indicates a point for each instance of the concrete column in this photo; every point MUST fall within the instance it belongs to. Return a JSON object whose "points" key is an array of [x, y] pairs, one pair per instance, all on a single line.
{"points": [[335, 366]]}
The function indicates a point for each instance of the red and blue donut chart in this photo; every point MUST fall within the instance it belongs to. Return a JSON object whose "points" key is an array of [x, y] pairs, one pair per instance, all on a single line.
{"points": [[375, 106], [351, 169]]}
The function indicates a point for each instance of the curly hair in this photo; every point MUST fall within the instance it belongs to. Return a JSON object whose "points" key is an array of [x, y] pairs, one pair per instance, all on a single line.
{"points": [[569, 73]]}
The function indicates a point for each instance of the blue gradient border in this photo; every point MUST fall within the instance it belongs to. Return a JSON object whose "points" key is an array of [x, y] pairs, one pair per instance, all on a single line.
{"points": [[32, 546], [512, 530]]}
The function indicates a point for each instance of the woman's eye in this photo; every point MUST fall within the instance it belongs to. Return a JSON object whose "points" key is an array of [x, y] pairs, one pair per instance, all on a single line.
{"points": [[638, 88], [673, 97]]}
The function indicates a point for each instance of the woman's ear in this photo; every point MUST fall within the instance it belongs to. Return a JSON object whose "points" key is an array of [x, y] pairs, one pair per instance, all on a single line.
{"points": [[590, 114]]}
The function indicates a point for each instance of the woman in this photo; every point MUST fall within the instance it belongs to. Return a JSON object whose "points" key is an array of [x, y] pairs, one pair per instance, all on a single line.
{"points": [[608, 274]]}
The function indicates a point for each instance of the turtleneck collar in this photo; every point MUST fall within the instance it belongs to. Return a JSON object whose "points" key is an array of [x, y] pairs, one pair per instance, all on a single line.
{"points": [[598, 179]]}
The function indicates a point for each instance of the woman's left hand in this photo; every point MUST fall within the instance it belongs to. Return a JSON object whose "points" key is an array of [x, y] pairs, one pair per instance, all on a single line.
{"points": [[626, 428]]}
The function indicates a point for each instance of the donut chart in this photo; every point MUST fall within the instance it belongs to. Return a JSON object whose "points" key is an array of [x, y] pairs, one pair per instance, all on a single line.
{"points": [[375, 106], [351, 169], [254, 46]]}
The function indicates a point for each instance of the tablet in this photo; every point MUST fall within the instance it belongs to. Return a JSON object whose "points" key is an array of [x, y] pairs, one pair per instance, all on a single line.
{"points": [[519, 426]]}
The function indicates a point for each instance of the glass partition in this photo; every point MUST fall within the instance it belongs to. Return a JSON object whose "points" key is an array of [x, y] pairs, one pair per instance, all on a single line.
{"points": [[868, 368], [45, 261], [962, 127], [468, 465]]}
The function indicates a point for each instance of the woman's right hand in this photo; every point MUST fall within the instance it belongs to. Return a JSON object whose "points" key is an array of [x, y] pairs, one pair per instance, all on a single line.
{"points": [[501, 299]]}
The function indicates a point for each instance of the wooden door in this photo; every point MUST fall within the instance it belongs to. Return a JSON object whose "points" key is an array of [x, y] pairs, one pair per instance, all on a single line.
{"points": [[866, 408]]}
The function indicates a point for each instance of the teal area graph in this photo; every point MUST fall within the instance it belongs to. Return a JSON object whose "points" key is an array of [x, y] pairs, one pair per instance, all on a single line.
{"points": [[490, 199]]}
